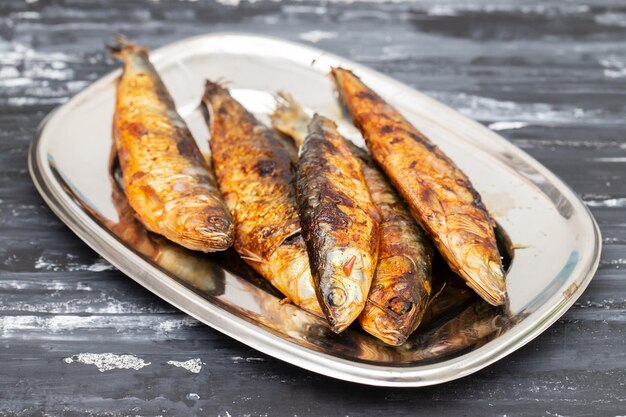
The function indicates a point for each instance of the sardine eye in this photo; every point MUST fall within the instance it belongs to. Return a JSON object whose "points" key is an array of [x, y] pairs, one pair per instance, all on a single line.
{"points": [[400, 306], [336, 297]]}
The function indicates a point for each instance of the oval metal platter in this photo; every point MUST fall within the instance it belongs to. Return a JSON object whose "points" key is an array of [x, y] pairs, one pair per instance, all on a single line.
{"points": [[558, 242]]}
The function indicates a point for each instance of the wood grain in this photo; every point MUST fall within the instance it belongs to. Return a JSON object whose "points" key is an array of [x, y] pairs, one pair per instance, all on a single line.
{"points": [[555, 71]]}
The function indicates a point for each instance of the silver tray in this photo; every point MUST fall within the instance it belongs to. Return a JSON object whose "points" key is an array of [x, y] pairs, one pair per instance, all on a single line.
{"points": [[558, 238]]}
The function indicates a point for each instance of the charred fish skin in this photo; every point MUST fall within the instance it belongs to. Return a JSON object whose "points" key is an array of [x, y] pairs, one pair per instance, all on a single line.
{"points": [[255, 171], [340, 223], [166, 180], [401, 286], [438, 193]]}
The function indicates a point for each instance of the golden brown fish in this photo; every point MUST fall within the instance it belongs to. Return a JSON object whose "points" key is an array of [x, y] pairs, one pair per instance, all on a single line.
{"points": [[166, 180], [340, 223], [439, 194], [401, 285], [255, 170]]}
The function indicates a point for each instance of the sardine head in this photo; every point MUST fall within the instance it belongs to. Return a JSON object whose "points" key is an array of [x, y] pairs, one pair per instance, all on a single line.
{"points": [[199, 226], [396, 303], [344, 285], [486, 277]]}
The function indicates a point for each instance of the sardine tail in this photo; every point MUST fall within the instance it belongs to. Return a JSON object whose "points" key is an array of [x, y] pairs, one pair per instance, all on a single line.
{"points": [[122, 47], [214, 87]]}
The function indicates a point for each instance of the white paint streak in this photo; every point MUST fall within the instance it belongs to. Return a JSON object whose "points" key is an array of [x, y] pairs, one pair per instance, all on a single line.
{"points": [[192, 365], [486, 108], [19, 52], [152, 326], [614, 66], [514, 7], [57, 303], [15, 82], [315, 36], [27, 15], [193, 396], [108, 361], [442, 10], [100, 265], [9, 72], [364, 1], [611, 202], [232, 3], [239, 359], [75, 86], [611, 159], [29, 101], [611, 19], [48, 265], [492, 7], [505, 125], [174, 324], [34, 75]]}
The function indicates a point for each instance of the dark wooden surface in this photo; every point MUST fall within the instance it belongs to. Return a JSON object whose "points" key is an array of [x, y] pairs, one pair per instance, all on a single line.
{"points": [[557, 69]]}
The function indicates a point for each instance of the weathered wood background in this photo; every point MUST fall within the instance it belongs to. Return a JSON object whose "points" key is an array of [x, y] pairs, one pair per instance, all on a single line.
{"points": [[551, 76]]}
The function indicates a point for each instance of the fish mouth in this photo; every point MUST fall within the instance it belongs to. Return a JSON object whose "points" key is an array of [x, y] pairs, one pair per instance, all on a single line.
{"points": [[216, 235], [390, 326], [387, 330], [338, 327], [341, 310], [213, 240], [489, 282], [198, 230], [395, 338]]}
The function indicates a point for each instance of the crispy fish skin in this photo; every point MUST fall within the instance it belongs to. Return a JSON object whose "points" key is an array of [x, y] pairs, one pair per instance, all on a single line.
{"points": [[439, 194], [255, 170], [166, 180], [401, 286], [340, 223]]}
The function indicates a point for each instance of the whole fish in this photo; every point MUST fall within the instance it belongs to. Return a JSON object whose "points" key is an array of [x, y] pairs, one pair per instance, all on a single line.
{"points": [[439, 194], [255, 170], [401, 285], [340, 223], [166, 179]]}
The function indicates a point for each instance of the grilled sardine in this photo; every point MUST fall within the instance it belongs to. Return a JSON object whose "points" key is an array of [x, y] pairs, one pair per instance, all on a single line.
{"points": [[401, 285], [255, 170], [340, 223], [439, 194], [166, 179]]}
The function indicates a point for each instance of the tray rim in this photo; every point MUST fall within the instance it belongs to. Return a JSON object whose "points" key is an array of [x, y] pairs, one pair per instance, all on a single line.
{"points": [[132, 265]]}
